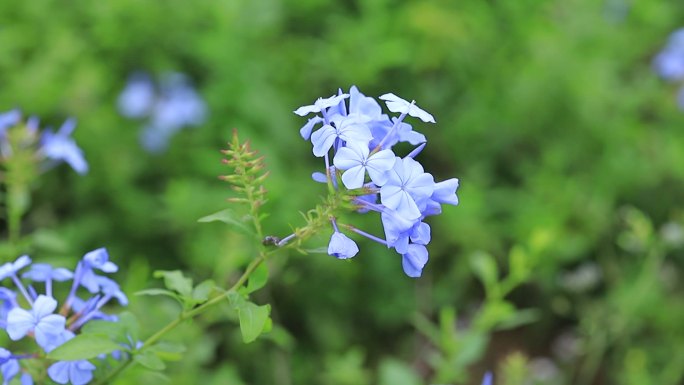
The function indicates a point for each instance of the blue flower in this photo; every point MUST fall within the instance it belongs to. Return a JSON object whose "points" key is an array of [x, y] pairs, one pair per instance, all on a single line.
{"points": [[487, 379], [8, 301], [305, 131], [341, 246], [40, 320], [669, 63], [62, 372], [408, 187], [347, 130], [8, 119], [445, 192], [397, 104], [9, 366], [43, 272], [136, 100], [61, 147], [96, 259], [356, 160], [10, 269], [77, 372], [321, 104], [175, 106], [414, 260], [99, 259]]}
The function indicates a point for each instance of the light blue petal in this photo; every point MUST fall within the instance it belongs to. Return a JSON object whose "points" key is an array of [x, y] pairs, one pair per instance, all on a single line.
{"points": [[322, 140], [414, 260], [347, 157], [44, 305], [445, 192], [353, 178], [59, 372], [19, 322], [81, 372], [341, 246], [397, 104]]}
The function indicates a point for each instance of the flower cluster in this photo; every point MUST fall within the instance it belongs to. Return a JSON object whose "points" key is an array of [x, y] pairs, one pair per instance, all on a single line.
{"points": [[351, 130], [55, 147], [170, 107], [669, 63], [25, 313]]}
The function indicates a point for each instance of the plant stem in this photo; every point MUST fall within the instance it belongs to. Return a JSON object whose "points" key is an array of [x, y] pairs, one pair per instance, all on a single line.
{"points": [[186, 316]]}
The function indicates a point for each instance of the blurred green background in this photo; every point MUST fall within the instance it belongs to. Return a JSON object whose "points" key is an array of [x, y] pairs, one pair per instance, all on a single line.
{"points": [[561, 265]]}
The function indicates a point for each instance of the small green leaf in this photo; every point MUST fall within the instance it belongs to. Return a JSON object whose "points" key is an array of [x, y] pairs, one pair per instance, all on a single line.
{"points": [[83, 347], [168, 351], [154, 291], [116, 331], [149, 360], [131, 325], [175, 280], [258, 279], [228, 216], [519, 318], [253, 320], [484, 266], [201, 292]]}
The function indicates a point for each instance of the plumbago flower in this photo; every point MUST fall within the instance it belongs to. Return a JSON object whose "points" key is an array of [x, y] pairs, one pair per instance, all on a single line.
{"points": [[26, 314], [352, 130], [169, 106], [669, 62], [47, 146]]}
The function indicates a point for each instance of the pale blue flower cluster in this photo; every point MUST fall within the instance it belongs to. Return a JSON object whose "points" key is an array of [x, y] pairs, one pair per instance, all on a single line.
{"points": [[55, 147], [168, 107], [24, 313], [352, 130], [669, 63]]}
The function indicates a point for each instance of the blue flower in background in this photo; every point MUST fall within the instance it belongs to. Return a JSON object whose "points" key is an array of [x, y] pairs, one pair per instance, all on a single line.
{"points": [[55, 147], [669, 63], [168, 107], [61, 147], [137, 99]]}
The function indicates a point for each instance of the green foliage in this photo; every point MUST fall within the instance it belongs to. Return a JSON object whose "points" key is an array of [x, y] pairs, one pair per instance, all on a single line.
{"points": [[84, 346], [549, 113]]}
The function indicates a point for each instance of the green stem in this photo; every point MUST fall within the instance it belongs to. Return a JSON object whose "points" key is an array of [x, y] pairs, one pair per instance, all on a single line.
{"points": [[188, 315]]}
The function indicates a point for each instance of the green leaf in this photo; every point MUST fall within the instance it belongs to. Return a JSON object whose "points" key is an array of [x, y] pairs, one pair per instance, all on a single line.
{"points": [[229, 217], [149, 360], [154, 291], [116, 331], [83, 347], [257, 279], [253, 320], [485, 268], [175, 280], [201, 292], [131, 325], [519, 318], [168, 351]]}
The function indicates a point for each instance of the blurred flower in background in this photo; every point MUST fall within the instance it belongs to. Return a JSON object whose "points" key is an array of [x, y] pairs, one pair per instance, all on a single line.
{"points": [[669, 63], [53, 147], [168, 107]]}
